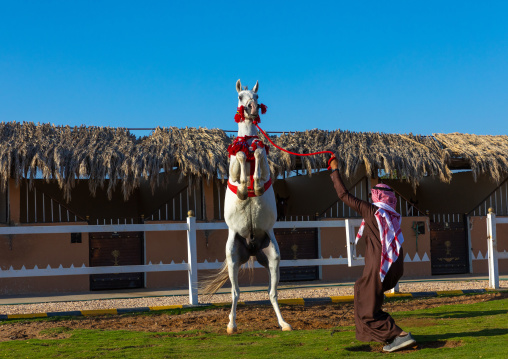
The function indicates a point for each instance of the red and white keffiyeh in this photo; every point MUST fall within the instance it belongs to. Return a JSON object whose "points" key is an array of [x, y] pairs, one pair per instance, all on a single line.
{"points": [[388, 222]]}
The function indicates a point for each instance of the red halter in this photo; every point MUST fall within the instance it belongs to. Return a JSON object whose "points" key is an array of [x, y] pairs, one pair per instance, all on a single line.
{"points": [[240, 116]]}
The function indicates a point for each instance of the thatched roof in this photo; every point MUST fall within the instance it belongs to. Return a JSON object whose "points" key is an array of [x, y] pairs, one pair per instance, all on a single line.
{"points": [[412, 157], [484, 154], [111, 156]]}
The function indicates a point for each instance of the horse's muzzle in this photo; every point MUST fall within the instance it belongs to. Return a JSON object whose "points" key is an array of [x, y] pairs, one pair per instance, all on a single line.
{"points": [[252, 109]]}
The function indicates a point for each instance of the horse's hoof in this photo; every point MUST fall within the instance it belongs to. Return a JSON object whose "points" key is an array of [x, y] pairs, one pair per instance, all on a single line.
{"points": [[232, 330], [287, 328], [242, 194], [259, 191]]}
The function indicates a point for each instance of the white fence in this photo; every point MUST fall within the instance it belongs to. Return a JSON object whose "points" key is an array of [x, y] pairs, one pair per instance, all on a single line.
{"points": [[493, 254], [192, 266]]}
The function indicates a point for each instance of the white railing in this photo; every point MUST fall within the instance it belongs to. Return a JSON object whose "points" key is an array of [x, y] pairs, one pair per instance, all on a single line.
{"points": [[493, 254], [498, 200], [42, 208], [192, 266], [447, 217], [190, 198]]}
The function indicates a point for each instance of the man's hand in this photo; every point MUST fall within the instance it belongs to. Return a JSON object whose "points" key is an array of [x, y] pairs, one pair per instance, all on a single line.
{"points": [[333, 163]]}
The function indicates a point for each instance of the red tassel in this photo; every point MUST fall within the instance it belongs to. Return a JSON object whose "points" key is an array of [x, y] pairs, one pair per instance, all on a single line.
{"points": [[239, 117]]}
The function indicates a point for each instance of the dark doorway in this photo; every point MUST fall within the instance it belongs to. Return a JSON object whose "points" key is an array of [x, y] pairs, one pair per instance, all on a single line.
{"points": [[298, 244], [448, 245], [116, 249]]}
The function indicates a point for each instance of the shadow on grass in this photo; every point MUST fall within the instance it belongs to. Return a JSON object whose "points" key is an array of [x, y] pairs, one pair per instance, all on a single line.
{"points": [[378, 348], [433, 341], [480, 333], [456, 314]]}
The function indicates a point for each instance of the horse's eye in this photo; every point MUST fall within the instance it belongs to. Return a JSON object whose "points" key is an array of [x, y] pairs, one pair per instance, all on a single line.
{"points": [[240, 98]]}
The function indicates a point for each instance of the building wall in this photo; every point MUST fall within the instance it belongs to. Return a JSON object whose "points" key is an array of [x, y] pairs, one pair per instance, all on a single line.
{"points": [[478, 230], [333, 243], [314, 194], [42, 250], [309, 195], [14, 202], [172, 246], [461, 195], [99, 206], [56, 249]]}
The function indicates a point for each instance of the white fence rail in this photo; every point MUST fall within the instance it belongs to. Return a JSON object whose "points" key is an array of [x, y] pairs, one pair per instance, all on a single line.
{"points": [[191, 265], [493, 254]]}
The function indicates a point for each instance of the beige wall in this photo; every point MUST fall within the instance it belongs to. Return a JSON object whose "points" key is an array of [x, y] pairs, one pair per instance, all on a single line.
{"points": [[415, 268], [42, 250], [172, 246], [166, 247], [478, 227]]}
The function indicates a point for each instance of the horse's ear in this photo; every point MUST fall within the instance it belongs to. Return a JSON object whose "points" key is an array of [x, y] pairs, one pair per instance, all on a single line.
{"points": [[238, 86], [256, 87]]}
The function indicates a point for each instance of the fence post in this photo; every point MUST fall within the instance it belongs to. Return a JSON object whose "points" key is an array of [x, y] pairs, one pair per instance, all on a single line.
{"points": [[350, 239], [492, 250], [192, 258], [395, 289]]}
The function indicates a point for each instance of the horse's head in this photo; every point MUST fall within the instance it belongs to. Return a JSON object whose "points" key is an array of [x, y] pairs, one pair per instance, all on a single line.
{"points": [[249, 100]]}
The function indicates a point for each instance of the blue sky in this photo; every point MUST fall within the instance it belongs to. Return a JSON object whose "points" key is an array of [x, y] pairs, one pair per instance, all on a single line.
{"points": [[389, 66]]}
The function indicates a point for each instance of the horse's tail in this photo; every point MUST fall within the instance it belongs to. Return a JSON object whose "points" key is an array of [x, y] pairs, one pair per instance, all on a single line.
{"points": [[213, 283]]}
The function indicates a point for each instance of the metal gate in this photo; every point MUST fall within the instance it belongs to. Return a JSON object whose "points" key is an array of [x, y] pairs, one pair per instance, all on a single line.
{"points": [[298, 244], [448, 244], [116, 249]]}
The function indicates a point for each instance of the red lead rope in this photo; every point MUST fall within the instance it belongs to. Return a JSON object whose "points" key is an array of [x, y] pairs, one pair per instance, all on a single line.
{"points": [[297, 154]]}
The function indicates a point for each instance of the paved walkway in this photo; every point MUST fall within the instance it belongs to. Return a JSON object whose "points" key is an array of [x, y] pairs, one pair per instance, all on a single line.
{"points": [[145, 293]]}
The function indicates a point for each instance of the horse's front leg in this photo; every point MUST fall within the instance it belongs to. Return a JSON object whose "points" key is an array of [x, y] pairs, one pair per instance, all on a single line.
{"points": [[234, 169], [261, 171], [242, 188]]}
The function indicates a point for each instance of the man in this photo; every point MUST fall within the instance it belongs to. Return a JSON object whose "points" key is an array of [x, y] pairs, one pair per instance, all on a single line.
{"points": [[384, 263]]}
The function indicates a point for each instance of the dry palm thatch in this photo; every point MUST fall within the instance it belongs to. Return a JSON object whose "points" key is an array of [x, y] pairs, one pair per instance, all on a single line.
{"points": [[63, 154], [108, 157], [411, 157], [485, 154], [195, 152]]}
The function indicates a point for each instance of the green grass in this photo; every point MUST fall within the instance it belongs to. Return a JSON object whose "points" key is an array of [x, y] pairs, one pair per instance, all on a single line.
{"points": [[477, 330]]}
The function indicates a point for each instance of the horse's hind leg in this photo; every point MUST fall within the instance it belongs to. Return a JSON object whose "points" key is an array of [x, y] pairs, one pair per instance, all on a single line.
{"points": [[236, 255], [269, 256]]}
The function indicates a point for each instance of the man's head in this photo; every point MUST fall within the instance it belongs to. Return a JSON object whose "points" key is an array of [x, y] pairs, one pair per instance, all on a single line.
{"points": [[383, 193]]}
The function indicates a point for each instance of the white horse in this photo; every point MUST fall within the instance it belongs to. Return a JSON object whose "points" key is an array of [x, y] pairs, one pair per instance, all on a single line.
{"points": [[250, 209]]}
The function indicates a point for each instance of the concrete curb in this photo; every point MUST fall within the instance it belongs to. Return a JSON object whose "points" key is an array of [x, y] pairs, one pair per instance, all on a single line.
{"points": [[296, 301]]}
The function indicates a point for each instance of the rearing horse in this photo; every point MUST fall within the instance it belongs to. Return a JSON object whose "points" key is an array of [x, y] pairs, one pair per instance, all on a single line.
{"points": [[250, 209]]}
